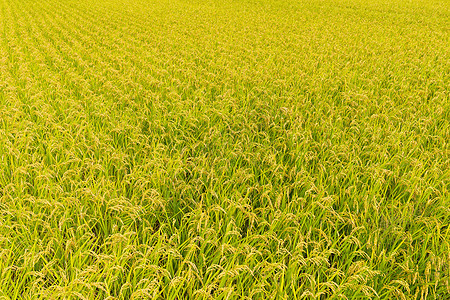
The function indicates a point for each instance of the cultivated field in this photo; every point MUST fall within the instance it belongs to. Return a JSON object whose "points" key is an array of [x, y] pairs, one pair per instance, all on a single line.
{"points": [[235, 149]]}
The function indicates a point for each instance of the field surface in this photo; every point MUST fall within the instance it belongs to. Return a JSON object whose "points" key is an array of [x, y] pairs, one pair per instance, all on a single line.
{"points": [[236, 149]]}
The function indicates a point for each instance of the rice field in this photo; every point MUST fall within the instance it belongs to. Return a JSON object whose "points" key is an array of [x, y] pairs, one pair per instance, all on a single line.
{"points": [[235, 149]]}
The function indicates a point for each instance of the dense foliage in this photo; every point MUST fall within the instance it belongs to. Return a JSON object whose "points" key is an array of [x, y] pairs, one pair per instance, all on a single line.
{"points": [[236, 149]]}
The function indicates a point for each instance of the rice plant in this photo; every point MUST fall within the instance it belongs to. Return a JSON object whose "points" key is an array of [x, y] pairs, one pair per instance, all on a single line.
{"points": [[236, 149]]}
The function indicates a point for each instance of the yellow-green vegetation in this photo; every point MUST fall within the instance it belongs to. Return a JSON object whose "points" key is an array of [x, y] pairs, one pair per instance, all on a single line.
{"points": [[236, 149]]}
